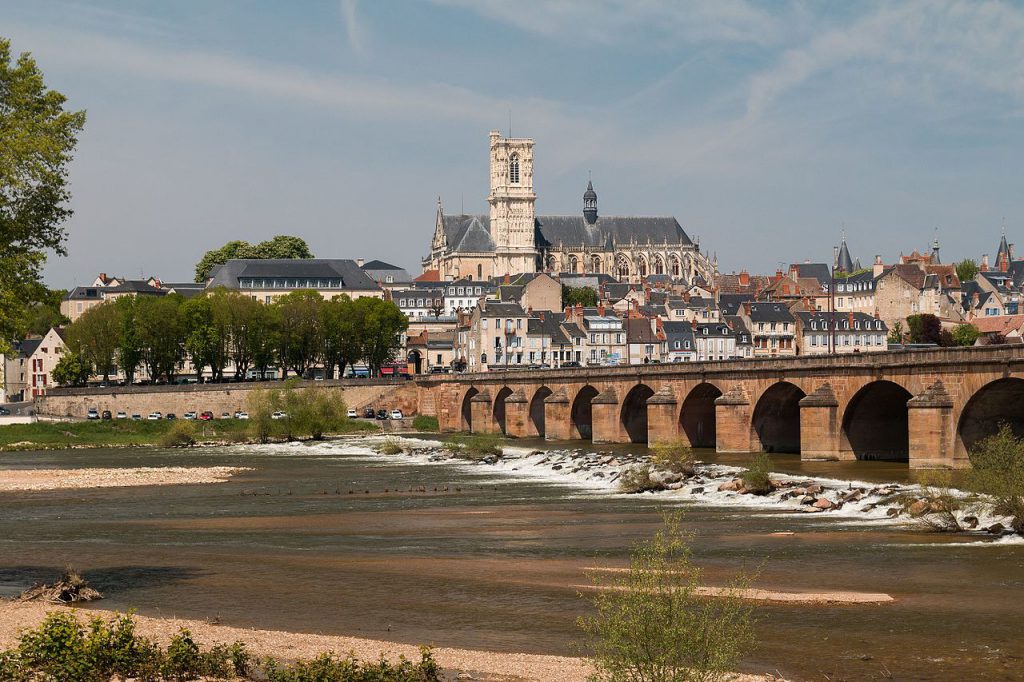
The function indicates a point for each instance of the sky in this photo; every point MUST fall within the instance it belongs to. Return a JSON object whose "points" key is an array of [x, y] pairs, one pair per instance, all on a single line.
{"points": [[766, 129]]}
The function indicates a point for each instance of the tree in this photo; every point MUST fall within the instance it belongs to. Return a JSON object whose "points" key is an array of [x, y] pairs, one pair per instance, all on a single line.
{"points": [[45, 314], [281, 246], [965, 335], [584, 296], [71, 370], [129, 349], [340, 337], [966, 270], [261, 335], [380, 323], [95, 337], [298, 340], [201, 339], [161, 334], [896, 332], [997, 470], [37, 139], [652, 623], [924, 328]]}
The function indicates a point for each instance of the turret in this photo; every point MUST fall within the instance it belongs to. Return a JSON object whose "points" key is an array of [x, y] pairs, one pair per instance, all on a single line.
{"points": [[590, 204]]}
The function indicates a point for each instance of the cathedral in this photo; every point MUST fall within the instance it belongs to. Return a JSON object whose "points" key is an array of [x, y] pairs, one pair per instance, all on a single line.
{"points": [[513, 239]]}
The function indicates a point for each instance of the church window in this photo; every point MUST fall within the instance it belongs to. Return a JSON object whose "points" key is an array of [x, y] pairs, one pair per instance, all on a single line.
{"points": [[479, 272], [574, 264], [513, 169]]}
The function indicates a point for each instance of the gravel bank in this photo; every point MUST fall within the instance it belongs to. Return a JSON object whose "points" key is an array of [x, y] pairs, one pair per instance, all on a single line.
{"points": [[60, 479]]}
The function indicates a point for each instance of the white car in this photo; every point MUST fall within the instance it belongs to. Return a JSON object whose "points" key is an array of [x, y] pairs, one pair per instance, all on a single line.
{"points": [[189, 415], [155, 416], [396, 414], [276, 415], [122, 415], [93, 413], [241, 415], [352, 414]]}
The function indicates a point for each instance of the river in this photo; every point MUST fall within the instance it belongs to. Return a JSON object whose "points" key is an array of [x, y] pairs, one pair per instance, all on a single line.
{"points": [[333, 538]]}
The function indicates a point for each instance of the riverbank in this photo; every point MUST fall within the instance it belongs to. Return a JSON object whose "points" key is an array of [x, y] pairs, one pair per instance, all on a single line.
{"points": [[121, 433], [481, 665], [73, 479]]}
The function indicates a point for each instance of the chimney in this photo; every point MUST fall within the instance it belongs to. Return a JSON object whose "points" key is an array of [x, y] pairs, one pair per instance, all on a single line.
{"points": [[744, 278], [878, 267], [541, 314], [984, 262], [1011, 252], [600, 309], [360, 262], [778, 274]]}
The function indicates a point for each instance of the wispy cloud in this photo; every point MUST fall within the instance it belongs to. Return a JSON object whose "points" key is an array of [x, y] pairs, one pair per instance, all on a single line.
{"points": [[353, 28]]}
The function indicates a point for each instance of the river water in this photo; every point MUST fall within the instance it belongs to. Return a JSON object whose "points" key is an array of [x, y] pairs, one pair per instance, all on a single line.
{"points": [[332, 538]]}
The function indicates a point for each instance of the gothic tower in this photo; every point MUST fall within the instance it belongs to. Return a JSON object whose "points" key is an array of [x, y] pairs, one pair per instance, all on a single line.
{"points": [[512, 201]]}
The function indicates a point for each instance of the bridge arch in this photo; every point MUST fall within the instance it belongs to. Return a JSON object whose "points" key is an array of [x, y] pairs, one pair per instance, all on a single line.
{"points": [[775, 423], [875, 422], [581, 414], [633, 414], [998, 401], [499, 408], [697, 416], [537, 410], [466, 410]]}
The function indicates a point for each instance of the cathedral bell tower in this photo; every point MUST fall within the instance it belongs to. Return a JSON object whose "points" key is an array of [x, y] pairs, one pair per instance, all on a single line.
{"points": [[513, 214]]}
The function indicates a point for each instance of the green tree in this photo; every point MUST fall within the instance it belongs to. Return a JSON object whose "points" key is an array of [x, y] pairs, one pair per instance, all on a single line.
{"points": [[95, 337], [281, 246], [967, 270], [161, 334], [653, 624], [262, 334], [341, 335], [584, 296], [45, 314], [37, 140], [71, 370], [965, 334], [997, 470], [896, 332], [202, 340], [129, 349], [924, 328], [380, 325], [298, 340]]}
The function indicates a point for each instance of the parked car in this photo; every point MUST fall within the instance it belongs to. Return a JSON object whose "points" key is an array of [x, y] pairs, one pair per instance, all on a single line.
{"points": [[93, 413], [4, 411], [396, 414], [106, 415], [189, 415], [242, 415], [382, 414], [171, 415], [438, 369], [205, 416], [225, 415], [352, 414], [121, 414], [369, 413], [276, 415], [155, 416], [571, 363], [136, 417]]}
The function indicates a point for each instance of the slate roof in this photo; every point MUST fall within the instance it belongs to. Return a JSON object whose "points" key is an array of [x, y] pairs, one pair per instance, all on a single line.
{"points": [[845, 262], [819, 271], [682, 331], [510, 292], [743, 336], [770, 312], [842, 320], [638, 330], [494, 309], [134, 286], [715, 329], [84, 294], [471, 233], [28, 347], [731, 303], [380, 265], [351, 275]]}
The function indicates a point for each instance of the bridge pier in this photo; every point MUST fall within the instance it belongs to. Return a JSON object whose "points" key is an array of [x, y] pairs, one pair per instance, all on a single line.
{"points": [[557, 417], [662, 416], [480, 407], [733, 419], [517, 416], [819, 426], [607, 426], [930, 422]]}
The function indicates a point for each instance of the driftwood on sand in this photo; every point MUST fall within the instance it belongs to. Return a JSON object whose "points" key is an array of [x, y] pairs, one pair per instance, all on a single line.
{"points": [[71, 588]]}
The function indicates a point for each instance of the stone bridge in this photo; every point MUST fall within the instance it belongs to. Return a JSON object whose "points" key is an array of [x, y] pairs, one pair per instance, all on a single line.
{"points": [[924, 407]]}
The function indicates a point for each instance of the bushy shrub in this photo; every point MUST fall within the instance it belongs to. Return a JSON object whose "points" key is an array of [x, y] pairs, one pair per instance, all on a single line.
{"points": [[941, 503], [675, 456], [757, 476], [474, 445], [652, 623], [425, 423], [390, 446], [330, 668], [998, 471], [181, 434]]}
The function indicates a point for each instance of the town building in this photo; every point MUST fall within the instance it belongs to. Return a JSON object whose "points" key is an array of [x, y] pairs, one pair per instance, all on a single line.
{"points": [[818, 333], [266, 280], [680, 345], [513, 239], [772, 328], [28, 373]]}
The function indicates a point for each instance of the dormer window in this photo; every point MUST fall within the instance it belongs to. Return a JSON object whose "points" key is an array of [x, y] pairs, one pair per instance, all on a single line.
{"points": [[513, 169]]}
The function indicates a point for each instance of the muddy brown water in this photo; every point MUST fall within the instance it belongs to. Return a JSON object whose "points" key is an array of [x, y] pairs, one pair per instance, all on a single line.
{"points": [[488, 560]]}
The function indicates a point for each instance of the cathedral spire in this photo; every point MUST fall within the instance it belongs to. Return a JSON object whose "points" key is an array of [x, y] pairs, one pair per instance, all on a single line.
{"points": [[590, 204]]}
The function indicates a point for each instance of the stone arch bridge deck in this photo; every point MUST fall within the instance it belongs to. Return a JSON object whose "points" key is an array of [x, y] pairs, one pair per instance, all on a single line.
{"points": [[925, 407]]}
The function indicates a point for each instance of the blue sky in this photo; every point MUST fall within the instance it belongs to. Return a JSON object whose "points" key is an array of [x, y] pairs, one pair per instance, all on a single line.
{"points": [[764, 128]]}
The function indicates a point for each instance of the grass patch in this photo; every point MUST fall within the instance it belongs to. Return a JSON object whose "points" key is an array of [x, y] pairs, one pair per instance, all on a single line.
{"points": [[675, 456], [637, 479], [425, 423], [757, 476], [390, 446], [181, 435], [474, 445]]}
